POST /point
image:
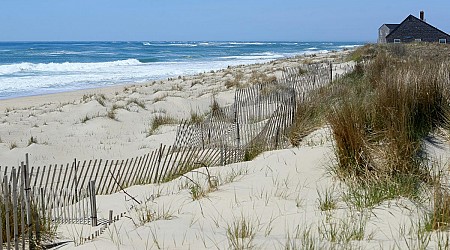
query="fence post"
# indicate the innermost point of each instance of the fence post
(76, 178)
(277, 137)
(110, 217)
(238, 135)
(1, 228)
(201, 132)
(38, 229)
(221, 155)
(6, 200)
(26, 185)
(331, 72)
(22, 213)
(14, 207)
(160, 154)
(93, 204)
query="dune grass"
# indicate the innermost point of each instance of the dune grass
(380, 115)
(47, 229)
(380, 124)
(160, 120)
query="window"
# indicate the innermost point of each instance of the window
(442, 40)
(396, 40)
(417, 40)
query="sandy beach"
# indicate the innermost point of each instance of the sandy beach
(234, 125)
(114, 122)
(276, 201)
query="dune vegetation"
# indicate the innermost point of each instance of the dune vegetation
(382, 117)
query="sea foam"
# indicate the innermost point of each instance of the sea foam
(63, 67)
(30, 68)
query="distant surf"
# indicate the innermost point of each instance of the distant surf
(34, 68)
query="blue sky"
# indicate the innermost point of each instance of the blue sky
(180, 20)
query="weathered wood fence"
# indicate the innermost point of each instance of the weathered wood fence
(261, 114)
(66, 193)
(111, 176)
(20, 223)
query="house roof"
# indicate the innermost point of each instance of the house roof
(392, 26)
(411, 16)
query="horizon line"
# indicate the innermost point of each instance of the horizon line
(305, 41)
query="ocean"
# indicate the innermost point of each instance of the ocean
(35, 68)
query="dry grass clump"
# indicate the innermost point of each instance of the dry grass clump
(433, 51)
(241, 233)
(236, 81)
(439, 218)
(12, 145)
(261, 77)
(101, 98)
(32, 140)
(160, 120)
(47, 228)
(370, 192)
(145, 213)
(139, 103)
(254, 149)
(309, 116)
(232, 83)
(365, 52)
(378, 126)
(380, 115)
(385, 110)
(348, 131)
(196, 118)
(111, 114)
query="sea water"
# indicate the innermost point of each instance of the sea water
(35, 68)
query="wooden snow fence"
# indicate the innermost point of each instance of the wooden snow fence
(66, 193)
(261, 114)
(20, 223)
(27, 213)
(111, 176)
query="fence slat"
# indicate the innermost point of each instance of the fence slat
(59, 177)
(111, 181)
(150, 167)
(121, 174)
(159, 158)
(141, 170)
(164, 166)
(127, 171)
(7, 201)
(36, 176)
(136, 170)
(14, 207)
(104, 177)
(83, 172)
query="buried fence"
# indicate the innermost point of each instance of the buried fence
(261, 114)
(111, 176)
(34, 199)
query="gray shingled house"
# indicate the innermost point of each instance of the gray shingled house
(412, 29)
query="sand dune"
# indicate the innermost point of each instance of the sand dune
(277, 201)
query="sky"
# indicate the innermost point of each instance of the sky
(209, 20)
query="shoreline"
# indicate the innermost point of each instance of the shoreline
(71, 93)
(115, 122)
(73, 66)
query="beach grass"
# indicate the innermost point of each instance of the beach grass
(160, 120)
(380, 115)
(47, 228)
(379, 125)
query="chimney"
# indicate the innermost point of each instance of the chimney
(422, 15)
